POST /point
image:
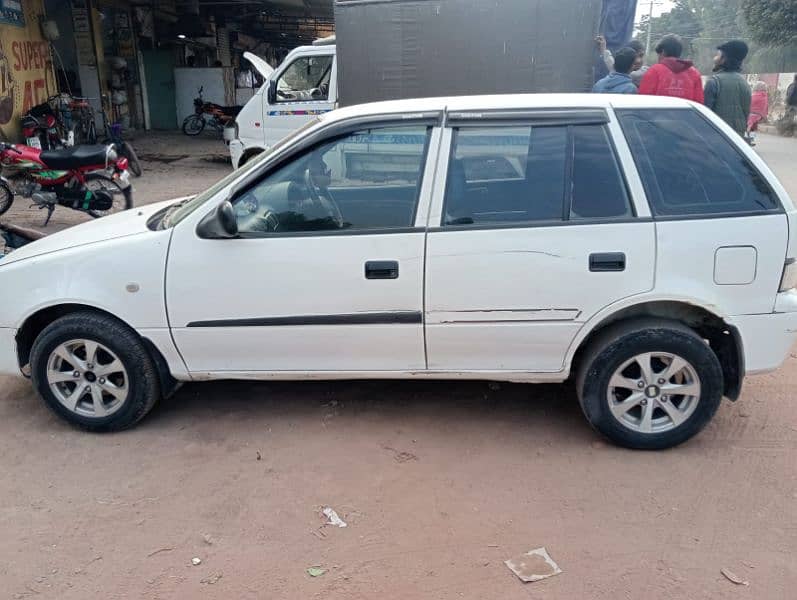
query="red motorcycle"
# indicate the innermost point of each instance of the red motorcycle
(90, 178)
(220, 116)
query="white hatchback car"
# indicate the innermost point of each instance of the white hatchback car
(633, 243)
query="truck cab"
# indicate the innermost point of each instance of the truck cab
(302, 87)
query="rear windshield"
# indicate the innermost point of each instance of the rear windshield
(689, 167)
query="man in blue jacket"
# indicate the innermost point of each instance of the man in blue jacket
(619, 81)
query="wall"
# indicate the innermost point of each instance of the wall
(26, 70)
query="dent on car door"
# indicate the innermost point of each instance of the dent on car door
(537, 234)
(312, 284)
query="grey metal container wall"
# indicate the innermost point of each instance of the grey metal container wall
(389, 49)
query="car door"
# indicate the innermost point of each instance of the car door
(326, 274)
(537, 230)
(303, 88)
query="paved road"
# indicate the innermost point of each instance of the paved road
(439, 483)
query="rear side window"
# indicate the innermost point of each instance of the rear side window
(519, 174)
(690, 168)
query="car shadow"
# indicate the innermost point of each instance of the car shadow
(545, 411)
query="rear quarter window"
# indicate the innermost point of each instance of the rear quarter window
(690, 168)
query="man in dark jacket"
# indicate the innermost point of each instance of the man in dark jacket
(619, 80)
(727, 92)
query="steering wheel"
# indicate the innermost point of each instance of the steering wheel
(326, 203)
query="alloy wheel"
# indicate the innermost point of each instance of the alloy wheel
(653, 392)
(87, 378)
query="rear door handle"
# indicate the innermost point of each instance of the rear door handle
(607, 261)
(382, 269)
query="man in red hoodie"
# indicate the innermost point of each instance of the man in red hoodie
(672, 76)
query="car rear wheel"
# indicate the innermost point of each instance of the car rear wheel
(94, 372)
(649, 384)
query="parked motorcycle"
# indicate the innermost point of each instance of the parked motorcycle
(92, 179)
(219, 115)
(40, 127)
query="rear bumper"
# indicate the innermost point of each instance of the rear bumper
(767, 339)
(9, 364)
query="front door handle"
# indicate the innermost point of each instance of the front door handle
(382, 269)
(607, 261)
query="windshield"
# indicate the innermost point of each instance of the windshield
(181, 210)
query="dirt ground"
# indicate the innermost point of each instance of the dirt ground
(439, 483)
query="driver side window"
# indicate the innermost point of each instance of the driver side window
(306, 79)
(366, 180)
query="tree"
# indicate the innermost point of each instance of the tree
(772, 22)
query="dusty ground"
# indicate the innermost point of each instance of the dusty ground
(439, 483)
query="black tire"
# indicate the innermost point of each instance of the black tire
(6, 197)
(621, 343)
(123, 197)
(247, 157)
(132, 158)
(193, 125)
(142, 376)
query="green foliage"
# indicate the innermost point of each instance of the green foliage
(705, 24)
(772, 22)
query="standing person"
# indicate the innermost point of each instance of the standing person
(727, 92)
(619, 80)
(640, 68)
(672, 75)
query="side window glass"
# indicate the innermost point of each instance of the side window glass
(690, 168)
(307, 78)
(506, 175)
(365, 180)
(599, 190)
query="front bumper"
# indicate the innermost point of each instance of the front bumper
(9, 364)
(767, 339)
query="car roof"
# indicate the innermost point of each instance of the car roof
(506, 102)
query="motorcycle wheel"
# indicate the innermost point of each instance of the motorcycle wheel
(193, 125)
(122, 197)
(132, 158)
(6, 198)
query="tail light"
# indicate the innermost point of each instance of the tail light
(122, 164)
(28, 131)
(788, 280)
(50, 121)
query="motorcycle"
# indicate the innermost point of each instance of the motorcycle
(40, 127)
(90, 178)
(220, 116)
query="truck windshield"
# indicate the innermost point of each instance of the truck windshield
(181, 210)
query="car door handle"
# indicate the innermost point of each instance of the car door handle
(382, 269)
(607, 261)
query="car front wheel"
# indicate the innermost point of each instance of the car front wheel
(650, 384)
(94, 372)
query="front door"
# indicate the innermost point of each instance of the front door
(302, 89)
(537, 233)
(327, 274)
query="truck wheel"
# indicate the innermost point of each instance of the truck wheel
(94, 372)
(649, 384)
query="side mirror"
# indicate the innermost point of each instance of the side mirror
(272, 91)
(219, 224)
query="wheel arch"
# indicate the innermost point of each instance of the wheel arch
(723, 338)
(37, 321)
(249, 153)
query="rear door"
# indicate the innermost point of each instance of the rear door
(535, 232)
